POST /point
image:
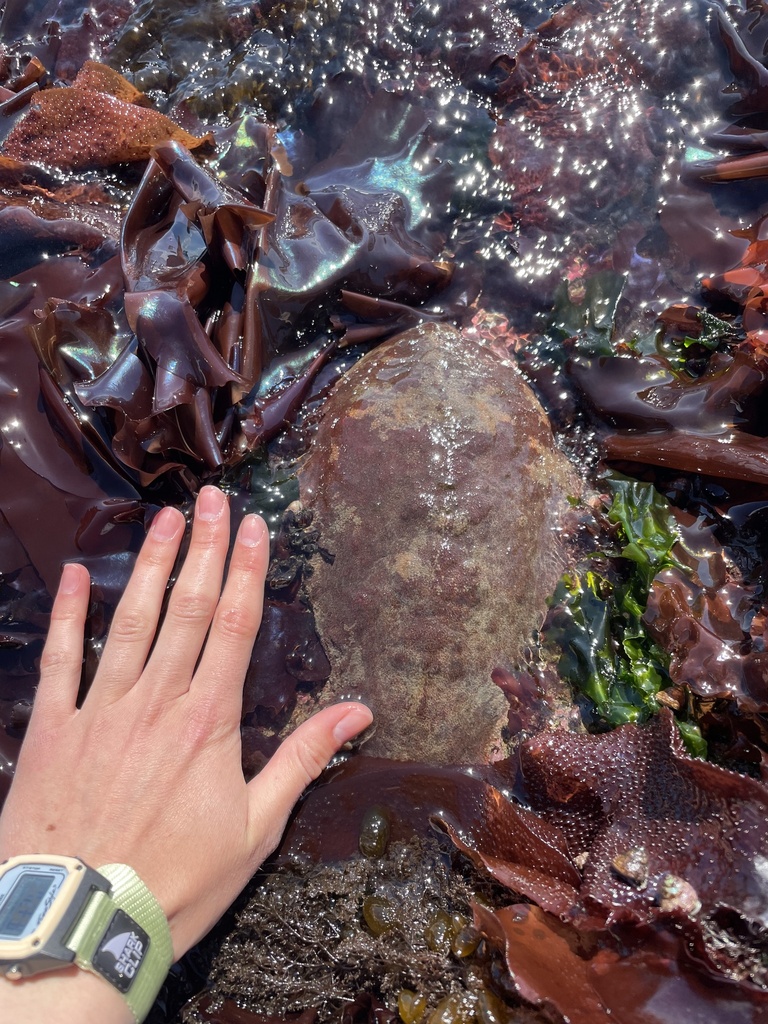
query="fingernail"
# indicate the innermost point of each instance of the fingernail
(358, 717)
(252, 531)
(70, 579)
(166, 525)
(210, 504)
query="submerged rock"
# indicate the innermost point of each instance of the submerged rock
(439, 495)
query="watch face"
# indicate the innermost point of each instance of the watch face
(27, 891)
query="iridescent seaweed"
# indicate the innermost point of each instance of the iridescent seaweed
(219, 286)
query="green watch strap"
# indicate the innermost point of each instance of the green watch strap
(141, 961)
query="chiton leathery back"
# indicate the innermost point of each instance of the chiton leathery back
(440, 499)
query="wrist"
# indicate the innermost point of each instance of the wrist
(68, 996)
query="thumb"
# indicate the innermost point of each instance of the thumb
(298, 761)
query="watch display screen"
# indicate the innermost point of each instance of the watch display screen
(26, 894)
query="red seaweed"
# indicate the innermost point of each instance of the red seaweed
(95, 122)
(628, 943)
(645, 983)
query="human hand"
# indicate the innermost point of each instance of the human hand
(147, 772)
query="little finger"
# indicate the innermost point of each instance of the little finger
(61, 664)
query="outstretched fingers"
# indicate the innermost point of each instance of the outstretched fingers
(61, 663)
(299, 761)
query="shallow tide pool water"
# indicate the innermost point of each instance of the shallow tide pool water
(580, 188)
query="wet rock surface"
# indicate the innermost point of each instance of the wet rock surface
(439, 496)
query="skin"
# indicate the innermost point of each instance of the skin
(147, 772)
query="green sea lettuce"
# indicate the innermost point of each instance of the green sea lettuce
(597, 612)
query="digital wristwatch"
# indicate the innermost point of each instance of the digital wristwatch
(55, 911)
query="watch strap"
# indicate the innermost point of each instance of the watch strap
(124, 937)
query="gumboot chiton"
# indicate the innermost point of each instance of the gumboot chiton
(438, 491)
